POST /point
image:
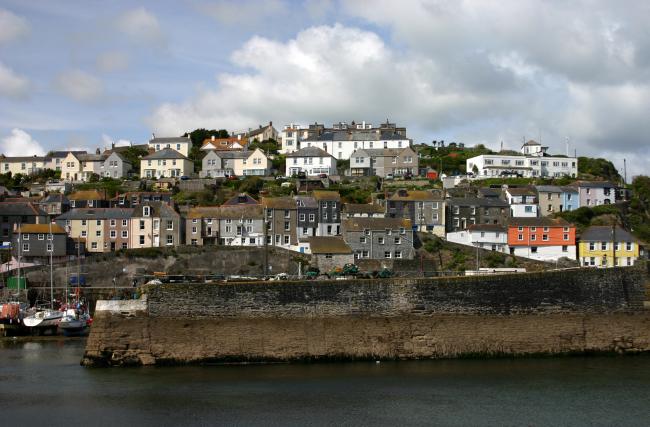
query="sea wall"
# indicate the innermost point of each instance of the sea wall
(572, 311)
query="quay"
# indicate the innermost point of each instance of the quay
(575, 311)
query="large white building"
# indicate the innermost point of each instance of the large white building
(533, 162)
(290, 137)
(181, 144)
(485, 236)
(341, 144)
(312, 161)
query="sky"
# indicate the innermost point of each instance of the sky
(84, 74)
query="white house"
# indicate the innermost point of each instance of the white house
(595, 193)
(534, 162)
(291, 136)
(341, 144)
(312, 161)
(166, 163)
(485, 236)
(180, 144)
(523, 202)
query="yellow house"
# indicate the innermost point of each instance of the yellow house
(166, 163)
(22, 165)
(607, 246)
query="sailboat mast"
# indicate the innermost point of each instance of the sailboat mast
(51, 243)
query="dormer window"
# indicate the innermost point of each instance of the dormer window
(146, 211)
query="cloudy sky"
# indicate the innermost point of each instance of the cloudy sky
(80, 74)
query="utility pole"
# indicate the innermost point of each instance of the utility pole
(266, 248)
(614, 245)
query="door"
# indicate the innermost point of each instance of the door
(156, 241)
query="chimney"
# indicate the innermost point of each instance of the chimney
(213, 137)
(270, 124)
(97, 151)
(153, 135)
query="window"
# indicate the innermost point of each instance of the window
(146, 211)
(328, 256)
(41, 237)
(124, 223)
(25, 247)
(628, 247)
(302, 217)
(565, 248)
(545, 237)
(99, 222)
(287, 226)
(566, 237)
(170, 224)
(286, 239)
(113, 234)
(402, 230)
(142, 240)
(141, 224)
(50, 247)
(398, 254)
(83, 233)
(83, 222)
(387, 254)
(362, 239)
(592, 246)
(533, 249)
(193, 230)
(603, 246)
(380, 240)
(398, 241)
(592, 260)
(533, 237)
(98, 233)
(629, 261)
(125, 234)
(113, 223)
(545, 229)
(50, 237)
(520, 237)
(170, 239)
(93, 245)
(520, 228)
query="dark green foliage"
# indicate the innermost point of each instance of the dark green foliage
(133, 156)
(111, 186)
(279, 163)
(495, 259)
(639, 208)
(270, 146)
(354, 195)
(451, 159)
(342, 166)
(598, 168)
(197, 137)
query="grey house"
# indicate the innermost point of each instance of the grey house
(425, 209)
(329, 213)
(465, 211)
(241, 225)
(219, 164)
(307, 224)
(381, 162)
(379, 238)
(116, 166)
(330, 252)
(281, 214)
(202, 226)
(34, 243)
(13, 214)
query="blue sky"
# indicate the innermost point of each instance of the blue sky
(83, 73)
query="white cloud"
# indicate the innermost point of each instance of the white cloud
(79, 86)
(20, 143)
(12, 85)
(11, 26)
(141, 26)
(243, 12)
(108, 141)
(109, 62)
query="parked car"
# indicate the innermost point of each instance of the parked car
(408, 175)
(184, 178)
(323, 175)
(389, 176)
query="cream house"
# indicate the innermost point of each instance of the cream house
(81, 166)
(22, 165)
(239, 163)
(180, 144)
(166, 163)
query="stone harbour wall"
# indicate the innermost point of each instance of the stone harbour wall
(574, 311)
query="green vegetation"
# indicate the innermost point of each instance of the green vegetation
(269, 146)
(110, 185)
(197, 137)
(450, 160)
(590, 168)
(133, 156)
(638, 214)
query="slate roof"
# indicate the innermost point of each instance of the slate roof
(96, 213)
(357, 135)
(166, 153)
(487, 227)
(23, 159)
(170, 140)
(55, 198)
(594, 184)
(158, 209)
(203, 212)
(233, 154)
(91, 157)
(549, 189)
(328, 245)
(20, 209)
(308, 202)
(531, 143)
(62, 154)
(360, 224)
(604, 234)
(242, 211)
(247, 199)
(521, 191)
(383, 152)
(363, 208)
(539, 222)
(478, 201)
(259, 130)
(310, 152)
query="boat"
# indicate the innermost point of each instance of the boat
(74, 322)
(43, 319)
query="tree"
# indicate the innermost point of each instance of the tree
(435, 245)
(133, 156)
(598, 168)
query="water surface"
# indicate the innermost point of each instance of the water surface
(41, 382)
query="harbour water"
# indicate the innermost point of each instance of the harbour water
(41, 383)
